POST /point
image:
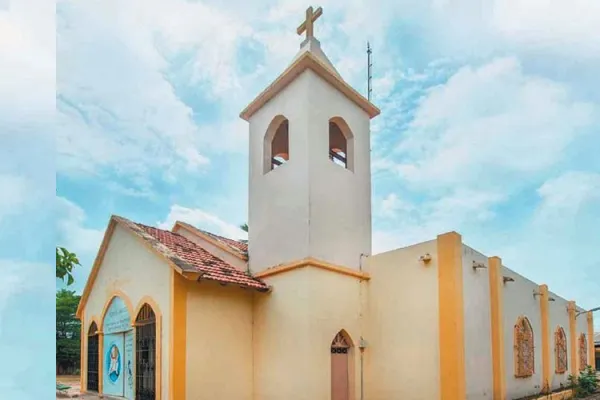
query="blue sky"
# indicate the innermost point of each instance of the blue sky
(489, 126)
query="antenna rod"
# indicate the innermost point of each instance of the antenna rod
(369, 74)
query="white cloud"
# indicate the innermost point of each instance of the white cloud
(27, 45)
(557, 245)
(490, 122)
(117, 105)
(14, 194)
(475, 140)
(19, 276)
(569, 192)
(202, 220)
(391, 205)
(117, 99)
(385, 241)
(72, 232)
(567, 27)
(415, 222)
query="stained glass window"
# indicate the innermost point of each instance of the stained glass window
(582, 352)
(524, 349)
(560, 350)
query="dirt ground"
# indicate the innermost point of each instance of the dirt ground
(75, 391)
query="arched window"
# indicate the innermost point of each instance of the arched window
(560, 351)
(341, 143)
(582, 352)
(145, 353)
(92, 358)
(93, 329)
(277, 144)
(342, 370)
(524, 349)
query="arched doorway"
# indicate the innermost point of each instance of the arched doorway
(340, 367)
(145, 349)
(117, 348)
(92, 358)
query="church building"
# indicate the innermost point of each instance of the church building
(304, 310)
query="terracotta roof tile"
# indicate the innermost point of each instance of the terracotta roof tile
(191, 257)
(235, 245)
(240, 246)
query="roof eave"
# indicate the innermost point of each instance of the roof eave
(199, 276)
(95, 267)
(307, 60)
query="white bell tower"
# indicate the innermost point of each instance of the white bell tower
(310, 164)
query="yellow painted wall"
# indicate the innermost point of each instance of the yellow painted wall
(478, 335)
(219, 342)
(294, 328)
(129, 266)
(402, 325)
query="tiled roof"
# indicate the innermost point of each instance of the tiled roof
(237, 246)
(191, 257)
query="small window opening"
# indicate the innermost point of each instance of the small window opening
(338, 147)
(341, 143)
(277, 144)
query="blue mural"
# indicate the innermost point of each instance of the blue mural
(113, 359)
(117, 318)
(129, 364)
(117, 373)
(113, 364)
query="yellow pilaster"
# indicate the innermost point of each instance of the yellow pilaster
(451, 317)
(177, 369)
(590, 340)
(100, 360)
(573, 338)
(546, 379)
(82, 354)
(496, 304)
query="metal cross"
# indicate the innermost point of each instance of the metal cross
(307, 25)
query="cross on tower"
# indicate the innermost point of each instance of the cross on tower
(307, 25)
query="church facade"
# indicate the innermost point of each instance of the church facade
(304, 310)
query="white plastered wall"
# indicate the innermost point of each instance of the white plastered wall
(518, 301)
(478, 336)
(219, 342)
(309, 206)
(129, 266)
(278, 200)
(340, 199)
(402, 325)
(558, 316)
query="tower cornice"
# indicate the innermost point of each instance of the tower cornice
(308, 61)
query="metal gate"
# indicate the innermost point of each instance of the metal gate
(145, 357)
(92, 359)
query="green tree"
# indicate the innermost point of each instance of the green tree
(244, 227)
(68, 331)
(65, 262)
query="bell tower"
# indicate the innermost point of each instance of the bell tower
(310, 164)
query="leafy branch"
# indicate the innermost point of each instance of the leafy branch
(65, 262)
